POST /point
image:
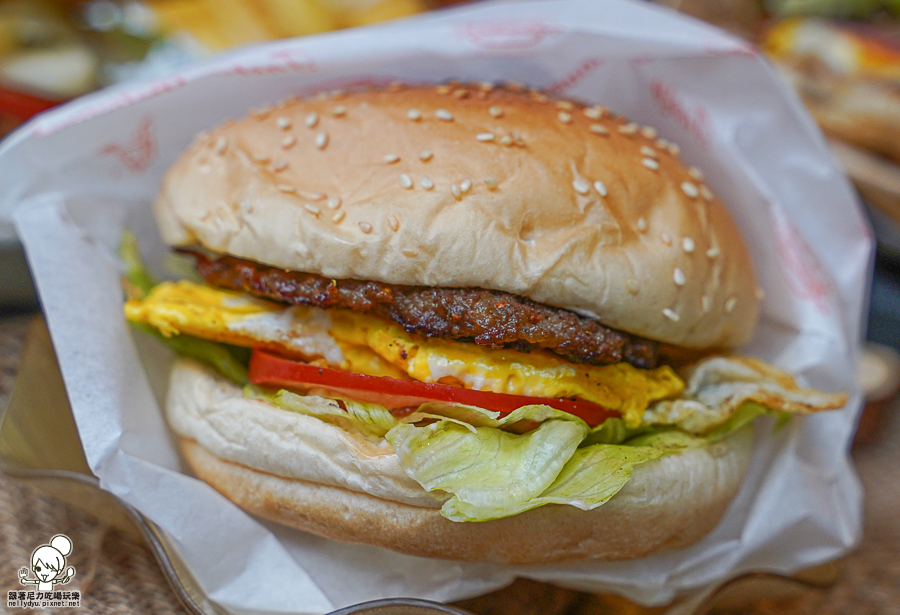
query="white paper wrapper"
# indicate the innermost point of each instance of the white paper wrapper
(73, 178)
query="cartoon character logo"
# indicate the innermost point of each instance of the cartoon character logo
(48, 562)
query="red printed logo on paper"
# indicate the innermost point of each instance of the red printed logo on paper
(576, 76)
(509, 34)
(138, 152)
(695, 119)
(801, 267)
(280, 61)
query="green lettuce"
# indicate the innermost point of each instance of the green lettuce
(490, 472)
(496, 467)
(228, 360)
(367, 419)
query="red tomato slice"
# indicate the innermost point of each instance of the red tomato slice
(271, 370)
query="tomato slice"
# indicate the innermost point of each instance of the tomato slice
(272, 370)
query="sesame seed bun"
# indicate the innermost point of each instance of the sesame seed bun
(271, 463)
(458, 186)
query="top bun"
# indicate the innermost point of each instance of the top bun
(473, 186)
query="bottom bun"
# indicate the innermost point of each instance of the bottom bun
(669, 503)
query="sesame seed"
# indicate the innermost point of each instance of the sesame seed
(465, 185)
(662, 143)
(713, 252)
(671, 315)
(564, 104)
(288, 141)
(221, 144)
(665, 238)
(704, 304)
(515, 86)
(642, 224)
(311, 120)
(689, 189)
(287, 188)
(695, 173)
(581, 186)
(456, 192)
(460, 93)
(260, 157)
(393, 222)
(283, 123)
(673, 149)
(486, 86)
(260, 112)
(687, 244)
(491, 183)
(678, 277)
(599, 129)
(648, 151)
(632, 286)
(594, 113)
(538, 97)
(425, 155)
(406, 181)
(730, 305)
(279, 165)
(485, 136)
(564, 117)
(426, 182)
(409, 253)
(365, 227)
(333, 202)
(443, 114)
(312, 196)
(706, 193)
(650, 163)
(600, 187)
(518, 139)
(392, 158)
(322, 140)
(496, 112)
(339, 111)
(628, 129)
(648, 132)
(506, 140)
(414, 114)
(443, 89)
(312, 209)
(338, 216)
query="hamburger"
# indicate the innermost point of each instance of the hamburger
(461, 321)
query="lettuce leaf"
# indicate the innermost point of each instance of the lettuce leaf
(138, 278)
(367, 419)
(490, 472)
(229, 361)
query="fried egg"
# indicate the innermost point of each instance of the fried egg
(376, 347)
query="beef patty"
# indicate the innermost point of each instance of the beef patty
(488, 318)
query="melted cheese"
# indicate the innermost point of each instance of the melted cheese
(370, 345)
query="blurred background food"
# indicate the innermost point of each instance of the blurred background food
(55, 50)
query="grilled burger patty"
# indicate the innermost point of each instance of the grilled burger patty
(488, 318)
